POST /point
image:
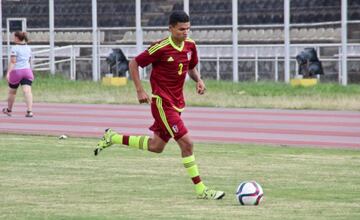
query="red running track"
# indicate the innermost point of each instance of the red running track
(332, 129)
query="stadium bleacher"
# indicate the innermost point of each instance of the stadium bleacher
(224, 36)
(113, 13)
(203, 12)
(259, 23)
(221, 36)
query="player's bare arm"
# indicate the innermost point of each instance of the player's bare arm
(134, 72)
(200, 85)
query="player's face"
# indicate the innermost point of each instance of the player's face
(180, 31)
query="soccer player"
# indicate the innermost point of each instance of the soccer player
(171, 58)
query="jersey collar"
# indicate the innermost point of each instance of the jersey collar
(174, 45)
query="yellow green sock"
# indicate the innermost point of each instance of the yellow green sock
(193, 171)
(137, 142)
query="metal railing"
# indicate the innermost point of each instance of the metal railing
(218, 54)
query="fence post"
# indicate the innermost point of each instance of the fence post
(296, 63)
(217, 67)
(344, 42)
(256, 66)
(276, 69)
(72, 64)
(340, 67)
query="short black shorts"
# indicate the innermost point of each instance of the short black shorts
(22, 82)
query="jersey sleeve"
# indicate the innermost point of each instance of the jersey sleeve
(194, 58)
(145, 58)
(13, 51)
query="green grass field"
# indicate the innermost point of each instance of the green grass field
(219, 93)
(46, 178)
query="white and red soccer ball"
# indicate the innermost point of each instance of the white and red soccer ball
(249, 193)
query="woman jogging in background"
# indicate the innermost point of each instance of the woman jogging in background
(19, 73)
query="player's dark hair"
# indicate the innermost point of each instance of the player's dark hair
(178, 17)
(22, 36)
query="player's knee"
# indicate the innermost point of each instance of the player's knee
(158, 150)
(187, 149)
(26, 89)
(156, 147)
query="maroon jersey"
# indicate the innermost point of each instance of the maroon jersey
(170, 65)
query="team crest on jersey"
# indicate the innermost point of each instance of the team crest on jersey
(189, 55)
(175, 128)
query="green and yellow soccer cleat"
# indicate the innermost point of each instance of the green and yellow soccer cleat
(211, 194)
(105, 141)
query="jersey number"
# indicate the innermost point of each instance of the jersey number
(180, 68)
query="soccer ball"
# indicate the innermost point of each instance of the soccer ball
(249, 193)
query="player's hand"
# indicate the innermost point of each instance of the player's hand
(143, 97)
(200, 87)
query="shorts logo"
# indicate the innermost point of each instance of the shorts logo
(175, 128)
(189, 55)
